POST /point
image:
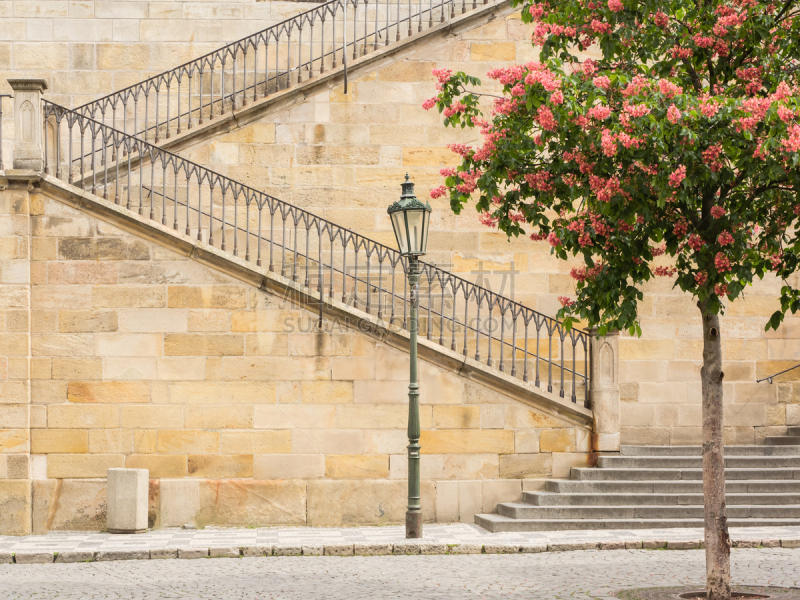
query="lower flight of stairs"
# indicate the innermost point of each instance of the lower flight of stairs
(653, 487)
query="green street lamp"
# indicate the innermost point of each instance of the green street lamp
(410, 220)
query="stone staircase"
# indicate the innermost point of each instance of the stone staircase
(662, 486)
(792, 438)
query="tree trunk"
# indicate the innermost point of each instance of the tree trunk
(717, 542)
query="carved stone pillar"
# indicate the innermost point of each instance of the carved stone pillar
(605, 393)
(28, 128)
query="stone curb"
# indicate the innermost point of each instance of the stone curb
(362, 549)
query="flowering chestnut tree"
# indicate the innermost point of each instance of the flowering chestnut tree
(674, 154)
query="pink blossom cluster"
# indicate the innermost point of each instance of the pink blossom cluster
(553, 239)
(539, 73)
(438, 192)
(601, 113)
(469, 181)
(600, 27)
(539, 181)
(566, 302)
(673, 114)
(708, 106)
(455, 108)
(669, 89)
(711, 157)
(429, 103)
(700, 278)
(661, 19)
(721, 289)
(665, 271)
(461, 149)
(605, 189)
(557, 97)
(635, 110)
(637, 85)
(725, 238)
(792, 142)
(681, 228)
(717, 212)
(722, 263)
(442, 75)
(677, 176)
(602, 82)
(586, 273)
(786, 114)
(544, 117)
(615, 5)
(488, 220)
(508, 75)
(695, 242)
(589, 68)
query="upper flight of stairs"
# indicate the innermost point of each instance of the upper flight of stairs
(792, 438)
(646, 487)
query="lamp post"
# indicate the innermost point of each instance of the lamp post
(410, 219)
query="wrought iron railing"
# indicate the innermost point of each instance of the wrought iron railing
(327, 259)
(258, 65)
(774, 375)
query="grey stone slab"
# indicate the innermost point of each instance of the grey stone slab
(405, 548)
(6, 557)
(371, 549)
(790, 543)
(192, 553)
(647, 545)
(313, 550)
(285, 550)
(612, 545)
(105, 555)
(338, 550)
(75, 556)
(501, 548)
(31, 558)
(465, 548)
(163, 553)
(224, 552)
(532, 548)
(256, 551)
(568, 547)
(689, 545)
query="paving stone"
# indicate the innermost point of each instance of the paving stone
(567, 547)
(746, 543)
(256, 551)
(287, 551)
(683, 545)
(367, 549)
(6, 557)
(338, 549)
(532, 548)
(313, 550)
(501, 548)
(192, 553)
(31, 558)
(432, 548)
(231, 552)
(790, 543)
(161, 553)
(648, 545)
(104, 555)
(75, 556)
(465, 548)
(771, 543)
(612, 545)
(405, 548)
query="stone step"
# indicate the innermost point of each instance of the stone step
(786, 449)
(570, 486)
(783, 441)
(793, 431)
(676, 462)
(500, 523)
(696, 474)
(555, 499)
(521, 510)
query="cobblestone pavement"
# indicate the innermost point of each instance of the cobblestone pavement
(583, 574)
(459, 533)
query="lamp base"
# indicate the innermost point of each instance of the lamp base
(413, 524)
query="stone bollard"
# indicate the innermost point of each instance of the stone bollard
(128, 491)
(605, 393)
(28, 123)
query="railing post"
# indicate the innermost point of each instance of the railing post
(604, 394)
(28, 125)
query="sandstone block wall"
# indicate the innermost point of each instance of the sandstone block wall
(343, 156)
(244, 415)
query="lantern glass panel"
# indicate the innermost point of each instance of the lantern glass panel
(415, 222)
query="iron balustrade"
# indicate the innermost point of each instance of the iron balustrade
(774, 375)
(271, 60)
(325, 258)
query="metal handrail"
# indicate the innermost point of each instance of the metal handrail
(323, 249)
(770, 378)
(278, 54)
